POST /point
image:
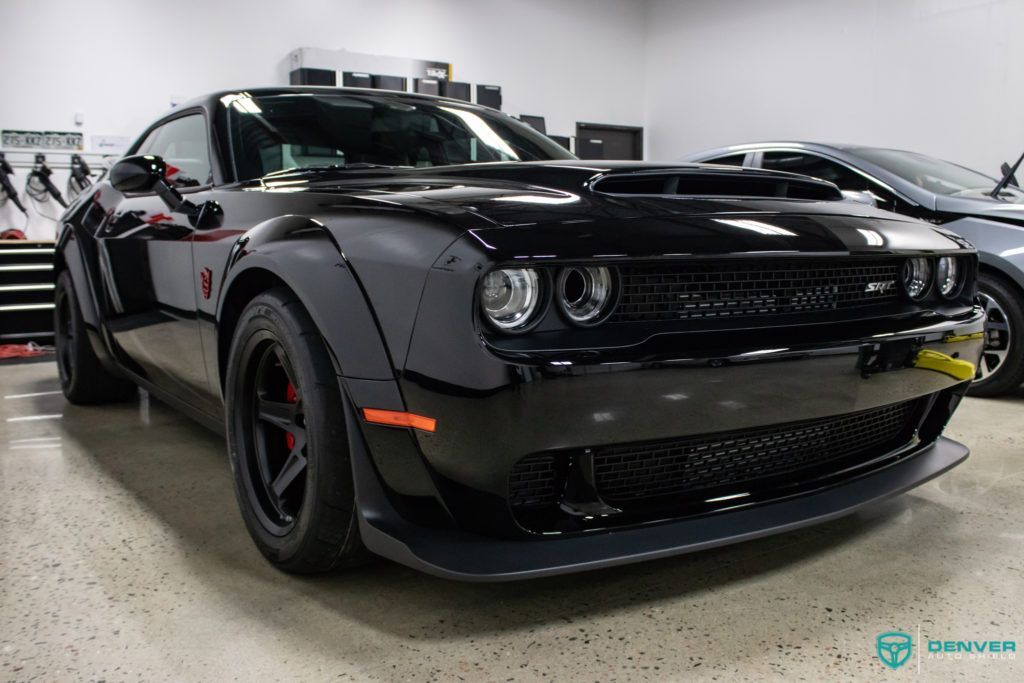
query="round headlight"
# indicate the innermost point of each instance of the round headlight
(947, 276)
(585, 294)
(510, 297)
(917, 276)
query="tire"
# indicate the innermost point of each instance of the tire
(83, 379)
(1001, 368)
(287, 440)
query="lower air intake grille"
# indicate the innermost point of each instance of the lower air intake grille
(735, 460)
(726, 289)
(533, 481)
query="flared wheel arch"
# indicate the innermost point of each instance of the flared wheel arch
(301, 255)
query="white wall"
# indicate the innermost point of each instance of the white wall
(942, 77)
(550, 56)
(938, 76)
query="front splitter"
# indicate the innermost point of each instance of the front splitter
(465, 556)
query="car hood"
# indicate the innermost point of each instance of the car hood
(992, 209)
(582, 210)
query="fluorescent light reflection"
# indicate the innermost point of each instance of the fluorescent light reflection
(760, 227)
(32, 395)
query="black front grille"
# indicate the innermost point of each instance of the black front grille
(734, 460)
(727, 289)
(533, 481)
(764, 461)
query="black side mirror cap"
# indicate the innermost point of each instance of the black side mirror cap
(141, 174)
(138, 173)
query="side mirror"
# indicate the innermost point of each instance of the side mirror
(138, 174)
(148, 174)
(860, 197)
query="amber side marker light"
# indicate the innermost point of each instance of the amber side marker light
(394, 418)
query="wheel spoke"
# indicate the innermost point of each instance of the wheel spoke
(293, 467)
(280, 460)
(278, 413)
(286, 367)
(997, 337)
(262, 461)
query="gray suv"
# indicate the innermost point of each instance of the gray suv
(957, 198)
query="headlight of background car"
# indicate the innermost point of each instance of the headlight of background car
(917, 276)
(948, 276)
(585, 294)
(510, 297)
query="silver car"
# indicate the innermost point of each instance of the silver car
(957, 198)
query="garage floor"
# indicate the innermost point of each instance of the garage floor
(124, 557)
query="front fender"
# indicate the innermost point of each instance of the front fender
(1000, 246)
(73, 252)
(302, 253)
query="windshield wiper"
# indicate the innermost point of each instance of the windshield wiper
(366, 164)
(330, 167)
(1006, 179)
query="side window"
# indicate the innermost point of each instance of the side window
(730, 160)
(817, 167)
(182, 144)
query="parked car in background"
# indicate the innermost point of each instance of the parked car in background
(955, 197)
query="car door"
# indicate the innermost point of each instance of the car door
(148, 272)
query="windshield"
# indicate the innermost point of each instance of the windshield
(934, 175)
(279, 132)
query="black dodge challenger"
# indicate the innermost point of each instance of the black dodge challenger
(432, 334)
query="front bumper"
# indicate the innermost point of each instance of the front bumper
(466, 556)
(495, 407)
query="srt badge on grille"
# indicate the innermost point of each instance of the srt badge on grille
(880, 287)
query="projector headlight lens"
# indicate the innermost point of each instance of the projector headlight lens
(510, 297)
(585, 293)
(917, 276)
(947, 276)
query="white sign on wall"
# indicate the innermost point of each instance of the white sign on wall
(40, 139)
(110, 144)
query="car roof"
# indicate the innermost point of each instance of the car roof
(820, 146)
(212, 100)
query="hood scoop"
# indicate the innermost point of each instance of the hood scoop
(711, 182)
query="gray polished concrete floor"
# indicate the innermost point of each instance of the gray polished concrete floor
(123, 557)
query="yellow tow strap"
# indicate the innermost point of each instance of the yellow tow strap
(939, 362)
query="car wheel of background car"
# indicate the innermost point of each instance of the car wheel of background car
(1001, 368)
(83, 379)
(287, 439)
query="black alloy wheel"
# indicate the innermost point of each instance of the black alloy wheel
(287, 439)
(276, 470)
(83, 378)
(63, 336)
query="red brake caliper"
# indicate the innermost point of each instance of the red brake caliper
(291, 397)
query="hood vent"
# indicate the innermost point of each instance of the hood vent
(710, 184)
